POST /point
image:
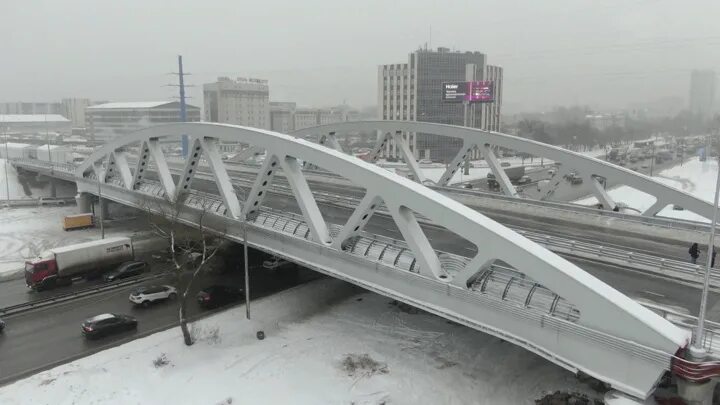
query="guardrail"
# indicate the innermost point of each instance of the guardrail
(57, 299)
(711, 338)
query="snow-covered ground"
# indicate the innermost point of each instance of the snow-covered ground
(8, 177)
(421, 359)
(695, 177)
(26, 232)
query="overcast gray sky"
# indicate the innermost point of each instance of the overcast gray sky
(321, 52)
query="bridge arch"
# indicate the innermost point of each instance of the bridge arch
(607, 320)
(592, 170)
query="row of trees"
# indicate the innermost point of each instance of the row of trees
(578, 132)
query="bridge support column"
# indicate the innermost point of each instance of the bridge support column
(53, 188)
(696, 393)
(84, 202)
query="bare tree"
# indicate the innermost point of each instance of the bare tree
(190, 248)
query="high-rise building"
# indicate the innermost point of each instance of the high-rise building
(112, 120)
(281, 116)
(413, 91)
(702, 92)
(74, 110)
(243, 102)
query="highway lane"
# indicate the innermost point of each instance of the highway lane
(35, 339)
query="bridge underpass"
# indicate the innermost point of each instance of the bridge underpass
(512, 288)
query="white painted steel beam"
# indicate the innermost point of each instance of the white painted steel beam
(305, 199)
(358, 219)
(600, 193)
(227, 192)
(455, 164)
(123, 169)
(191, 166)
(163, 171)
(142, 164)
(500, 176)
(407, 154)
(584, 165)
(262, 183)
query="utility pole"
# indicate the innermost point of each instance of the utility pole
(183, 106)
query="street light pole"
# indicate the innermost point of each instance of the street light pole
(7, 175)
(699, 331)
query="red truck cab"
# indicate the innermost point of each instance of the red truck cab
(40, 269)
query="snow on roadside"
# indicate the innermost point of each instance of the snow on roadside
(694, 177)
(427, 360)
(9, 181)
(27, 232)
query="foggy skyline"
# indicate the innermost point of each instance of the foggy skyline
(320, 53)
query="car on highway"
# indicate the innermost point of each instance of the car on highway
(551, 172)
(127, 269)
(275, 263)
(147, 295)
(524, 180)
(218, 295)
(107, 324)
(505, 164)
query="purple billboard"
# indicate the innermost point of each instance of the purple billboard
(472, 92)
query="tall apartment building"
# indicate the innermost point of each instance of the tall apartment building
(702, 92)
(112, 120)
(413, 91)
(242, 101)
(281, 116)
(74, 110)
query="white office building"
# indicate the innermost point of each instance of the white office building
(111, 120)
(37, 125)
(242, 101)
(281, 116)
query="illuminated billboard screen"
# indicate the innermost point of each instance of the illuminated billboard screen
(480, 92)
(472, 92)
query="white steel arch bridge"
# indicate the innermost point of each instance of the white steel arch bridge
(593, 171)
(509, 286)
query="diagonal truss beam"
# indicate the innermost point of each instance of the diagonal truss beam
(357, 221)
(227, 192)
(404, 145)
(601, 194)
(262, 183)
(476, 265)
(456, 164)
(161, 165)
(188, 173)
(500, 176)
(419, 244)
(330, 140)
(306, 201)
(123, 168)
(380, 142)
(141, 165)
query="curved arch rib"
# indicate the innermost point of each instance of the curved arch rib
(589, 167)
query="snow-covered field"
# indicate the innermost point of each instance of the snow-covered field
(420, 359)
(695, 177)
(27, 232)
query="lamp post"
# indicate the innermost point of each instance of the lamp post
(700, 330)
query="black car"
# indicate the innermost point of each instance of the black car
(218, 295)
(107, 324)
(127, 269)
